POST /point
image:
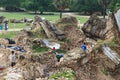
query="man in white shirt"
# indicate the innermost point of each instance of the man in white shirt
(12, 58)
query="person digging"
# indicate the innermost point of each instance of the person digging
(84, 47)
(59, 57)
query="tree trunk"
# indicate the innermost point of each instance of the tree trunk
(104, 11)
(35, 12)
(41, 12)
(60, 14)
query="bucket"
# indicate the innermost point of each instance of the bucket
(1, 27)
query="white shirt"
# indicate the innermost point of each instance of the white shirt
(12, 57)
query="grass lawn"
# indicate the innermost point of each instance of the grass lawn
(68, 75)
(20, 15)
(11, 34)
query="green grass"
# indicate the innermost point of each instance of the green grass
(113, 43)
(8, 34)
(82, 19)
(37, 49)
(69, 75)
(17, 25)
(20, 15)
(61, 51)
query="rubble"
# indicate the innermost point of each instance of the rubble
(115, 21)
(4, 42)
(28, 20)
(16, 21)
(75, 36)
(66, 22)
(95, 27)
(23, 40)
(14, 74)
(117, 15)
(51, 44)
(50, 29)
(92, 65)
(111, 54)
(23, 20)
(3, 19)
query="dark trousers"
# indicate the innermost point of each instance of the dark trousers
(13, 64)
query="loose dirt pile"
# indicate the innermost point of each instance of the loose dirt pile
(67, 21)
(74, 36)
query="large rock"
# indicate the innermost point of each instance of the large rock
(51, 31)
(23, 39)
(75, 55)
(95, 27)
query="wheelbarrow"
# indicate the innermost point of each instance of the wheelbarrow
(1, 68)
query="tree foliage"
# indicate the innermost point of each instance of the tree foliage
(86, 6)
(104, 4)
(39, 5)
(82, 6)
(114, 5)
(10, 3)
(61, 5)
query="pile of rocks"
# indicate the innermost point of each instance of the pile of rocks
(49, 28)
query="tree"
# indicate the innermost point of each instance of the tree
(86, 6)
(62, 5)
(10, 4)
(104, 4)
(114, 5)
(31, 5)
(39, 5)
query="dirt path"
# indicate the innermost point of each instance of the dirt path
(75, 14)
(15, 29)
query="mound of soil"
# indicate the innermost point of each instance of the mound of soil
(67, 21)
(75, 36)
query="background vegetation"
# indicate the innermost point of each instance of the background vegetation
(41, 6)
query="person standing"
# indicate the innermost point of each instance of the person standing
(6, 25)
(12, 58)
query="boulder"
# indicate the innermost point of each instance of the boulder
(50, 30)
(95, 27)
(75, 55)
